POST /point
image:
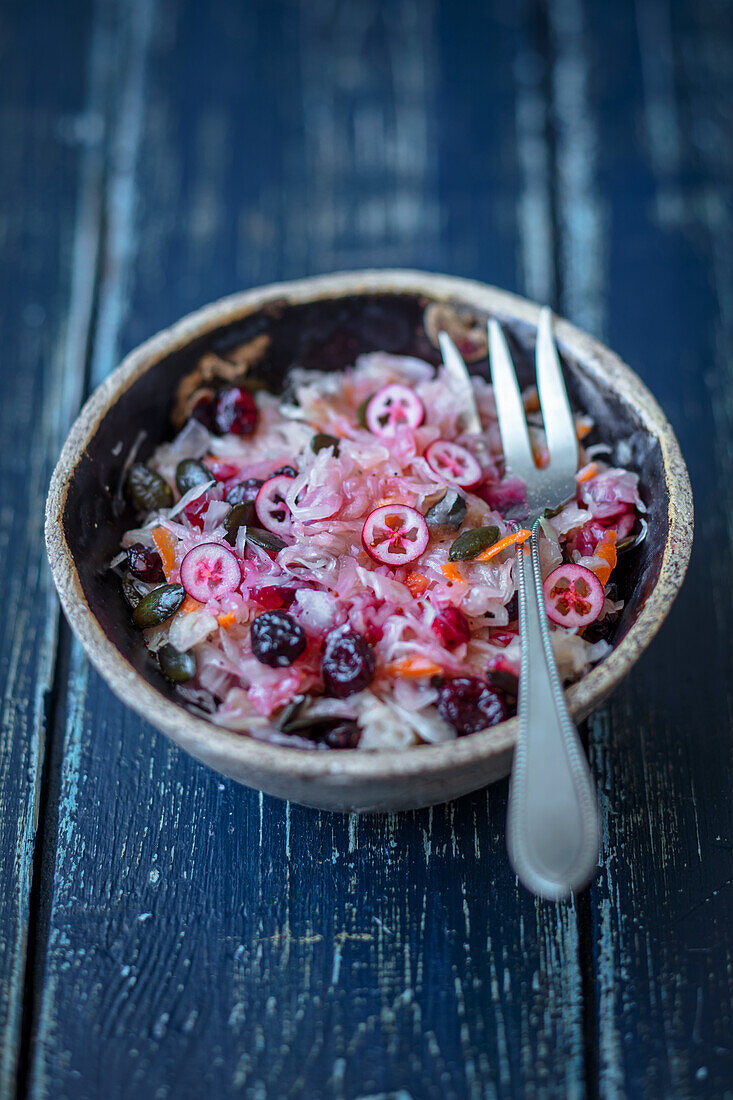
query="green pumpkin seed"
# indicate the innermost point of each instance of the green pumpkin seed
(190, 473)
(241, 515)
(361, 411)
(158, 605)
(473, 542)
(447, 512)
(265, 539)
(147, 490)
(321, 440)
(174, 664)
(290, 714)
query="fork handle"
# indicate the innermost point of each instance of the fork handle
(552, 823)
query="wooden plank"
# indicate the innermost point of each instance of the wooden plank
(647, 194)
(209, 938)
(46, 144)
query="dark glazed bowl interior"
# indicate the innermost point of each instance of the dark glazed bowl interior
(324, 334)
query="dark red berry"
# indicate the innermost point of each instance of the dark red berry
(244, 491)
(469, 705)
(195, 512)
(145, 564)
(344, 736)
(236, 412)
(277, 640)
(348, 663)
(272, 598)
(451, 627)
(286, 471)
(205, 412)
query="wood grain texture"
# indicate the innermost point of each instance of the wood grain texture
(43, 137)
(657, 176)
(208, 938)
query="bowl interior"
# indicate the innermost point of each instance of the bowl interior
(324, 334)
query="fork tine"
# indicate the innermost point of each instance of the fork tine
(456, 368)
(562, 442)
(509, 406)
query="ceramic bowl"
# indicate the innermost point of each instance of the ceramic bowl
(324, 323)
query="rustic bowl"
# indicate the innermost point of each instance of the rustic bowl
(324, 322)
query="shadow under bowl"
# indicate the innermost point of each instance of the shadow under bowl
(324, 323)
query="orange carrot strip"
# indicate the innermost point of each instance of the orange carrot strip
(587, 472)
(227, 619)
(165, 544)
(503, 544)
(413, 668)
(417, 584)
(606, 550)
(451, 571)
(582, 428)
(189, 604)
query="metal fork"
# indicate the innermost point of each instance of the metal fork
(552, 821)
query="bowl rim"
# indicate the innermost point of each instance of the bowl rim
(217, 745)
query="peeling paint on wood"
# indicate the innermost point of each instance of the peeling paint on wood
(203, 937)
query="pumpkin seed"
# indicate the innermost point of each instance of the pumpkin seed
(449, 511)
(265, 539)
(240, 515)
(190, 473)
(471, 543)
(321, 440)
(361, 411)
(174, 664)
(147, 490)
(158, 605)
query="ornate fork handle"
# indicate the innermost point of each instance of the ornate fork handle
(553, 818)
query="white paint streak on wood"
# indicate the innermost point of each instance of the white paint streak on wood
(368, 197)
(580, 215)
(120, 243)
(534, 213)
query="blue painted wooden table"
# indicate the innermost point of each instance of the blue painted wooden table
(167, 934)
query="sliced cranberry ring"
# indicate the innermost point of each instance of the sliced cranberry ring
(393, 406)
(573, 596)
(210, 571)
(270, 506)
(454, 463)
(395, 534)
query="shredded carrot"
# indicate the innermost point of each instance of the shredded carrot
(413, 668)
(165, 544)
(606, 550)
(582, 428)
(227, 619)
(450, 571)
(541, 457)
(417, 584)
(587, 472)
(189, 604)
(503, 544)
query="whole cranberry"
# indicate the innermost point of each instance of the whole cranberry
(205, 412)
(236, 412)
(348, 663)
(145, 564)
(470, 705)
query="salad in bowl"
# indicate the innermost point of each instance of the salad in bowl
(332, 567)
